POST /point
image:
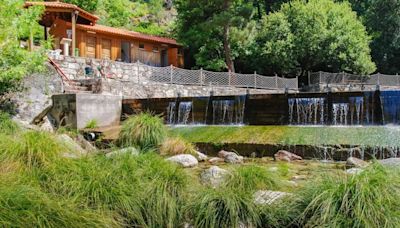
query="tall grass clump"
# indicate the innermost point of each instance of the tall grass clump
(162, 193)
(177, 145)
(223, 207)
(368, 199)
(250, 178)
(7, 125)
(143, 131)
(31, 148)
(28, 206)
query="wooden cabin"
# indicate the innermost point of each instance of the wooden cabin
(67, 22)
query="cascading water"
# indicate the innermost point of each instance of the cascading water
(304, 111)
(171, 112)
(340, 111)
(390, 102)
(228, 111)
(184, 111)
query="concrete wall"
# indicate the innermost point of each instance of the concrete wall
(76, 110)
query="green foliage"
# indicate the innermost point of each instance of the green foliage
(177, 145)
(223, 207)
(143, 131)
(33, 149)
(91, 124)
(368, 199)
(88, 5)
(250, 178)
(382, 19)
(15, 62)
(317, 35)
(7, 126)
(27, 206)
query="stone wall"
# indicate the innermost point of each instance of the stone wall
(133, 80)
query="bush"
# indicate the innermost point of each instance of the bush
(174, 146)
(251, 178)
(91, 124)
(143, 131)
(32, 148)
(223, 207)
(368, 199)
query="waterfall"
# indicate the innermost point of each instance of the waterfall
(340, 111)
(228, 111)
(184, 111)
(390, 102)
(306, 111)
(171, 113)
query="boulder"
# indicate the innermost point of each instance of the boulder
(185, 160)
(268, 197)
(71, 144)
(354, 171)
(283, 155)
(201, 156)
(128, 150)
(390, 162)
(85, 144)
(355, 162)
(46, 125)
(230, 157)
(214, 176)
(215, 160)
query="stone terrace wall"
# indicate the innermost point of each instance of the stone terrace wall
(133, 80)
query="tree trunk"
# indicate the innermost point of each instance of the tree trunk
(227, 46)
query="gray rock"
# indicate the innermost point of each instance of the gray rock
(299, 177)
(185, 160)
(283, 155)
(215, 160)
(71, 144)
(390, 162)
(268, 197)
(128, 150)
(354, 171)
(85, 144)
(230, 157)
(355, 162)
(201, 156)
(214, 176)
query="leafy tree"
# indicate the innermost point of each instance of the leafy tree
(317, 35)
(206, 27)
(382, 19)
(15, 61)
(88, 5)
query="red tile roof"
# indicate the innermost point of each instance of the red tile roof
(62, 5)
(123, 32)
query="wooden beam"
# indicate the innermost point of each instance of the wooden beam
(73, 21)
(31, 41)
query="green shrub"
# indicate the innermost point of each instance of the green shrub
(91, 124)
(368, 199)
(143, 131)
(222, 207)
(174, 146)
(27, 206)
(32, 149)
(8, 126)
(250, 178)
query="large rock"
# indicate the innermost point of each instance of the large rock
(390, 162)
(283, 155)
(215, 160)
(354, 171)
(214, 176)
(128, 150)
(355, 162)
(268, 197)
(201, 157)
(71, 145)
(230, 157)
(185, 160)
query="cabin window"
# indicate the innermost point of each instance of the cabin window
(141, 46)
(180, 51)
(155, 49)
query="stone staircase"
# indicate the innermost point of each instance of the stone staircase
(82, 86)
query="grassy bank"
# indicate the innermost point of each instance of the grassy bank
(291, 135)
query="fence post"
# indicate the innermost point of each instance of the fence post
(171, 74)
(201, 76)
(276, 81)
(309, 79)
(343, 74)
(379, 79)
(297, 80)
(320, 77)
(229, 77)
(255, 79)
